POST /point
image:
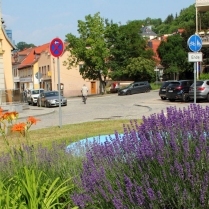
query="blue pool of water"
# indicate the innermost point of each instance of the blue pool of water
(80, 147)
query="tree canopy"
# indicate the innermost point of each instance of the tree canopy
(125, 42)
(23, 45)
(173, 54)
(90, 49)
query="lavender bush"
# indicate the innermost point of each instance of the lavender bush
(162, 163)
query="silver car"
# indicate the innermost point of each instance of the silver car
(51, 99)
(202, 90)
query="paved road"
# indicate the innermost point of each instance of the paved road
(102, 108)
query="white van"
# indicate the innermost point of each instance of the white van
(32, 96)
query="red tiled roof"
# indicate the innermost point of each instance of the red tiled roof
(31, 58)
(181, 30)
(39, 49)
(155, 45)
(25, 51)
(23, 54)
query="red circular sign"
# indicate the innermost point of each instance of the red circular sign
(56, 47)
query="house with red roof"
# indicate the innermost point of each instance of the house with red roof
(38, 60)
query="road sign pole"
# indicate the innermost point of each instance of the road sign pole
(39, 86)
(195, 69)
(195, 44)
(60, 109)
(56, 49)
(156, 78)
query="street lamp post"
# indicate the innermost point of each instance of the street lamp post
(160, 68)
(156, 70)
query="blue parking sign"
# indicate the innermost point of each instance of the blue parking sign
(194, 43)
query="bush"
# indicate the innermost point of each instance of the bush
(204, 76)
(162, 163)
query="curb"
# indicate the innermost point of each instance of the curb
(30, 112)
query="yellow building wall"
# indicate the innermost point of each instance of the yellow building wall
(35, 80)
(7, 62)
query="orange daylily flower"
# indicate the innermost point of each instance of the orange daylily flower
(1, 110)
(10, 116)
(19, 127)
(32, 120)
(5, 116)
(13, 115)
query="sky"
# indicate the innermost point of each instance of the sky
(40, 21)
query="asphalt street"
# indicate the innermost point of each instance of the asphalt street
(97, 108)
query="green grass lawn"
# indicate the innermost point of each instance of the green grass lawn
(69, 133)
(155, 86)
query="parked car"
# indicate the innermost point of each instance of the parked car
(32, 95)
(202, 90)
(135, 87)
(178, 90)
(51, 99)
(162, 90)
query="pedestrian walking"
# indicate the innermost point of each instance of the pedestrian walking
(84, 91)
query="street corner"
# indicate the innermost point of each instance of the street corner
(35, 111)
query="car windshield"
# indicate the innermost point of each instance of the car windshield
(52, 93)
(174, 84)
(165, 84)
(128, 86)
(198, 83)
(37, 91)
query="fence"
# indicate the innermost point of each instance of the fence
(11, 96)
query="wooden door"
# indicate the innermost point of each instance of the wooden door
(93, 87)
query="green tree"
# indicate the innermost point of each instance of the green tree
(90, 48)
(23, 45)
(169, 19)
(141, 69)
(173, 55)
(125, 42)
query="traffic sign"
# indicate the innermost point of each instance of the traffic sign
(56, 47)
(38, 75)
(195, 56)
(194, 43)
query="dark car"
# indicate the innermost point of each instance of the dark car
(178, 90)
(51, 99)
(135, 87)
(202, 90)
(162, 90)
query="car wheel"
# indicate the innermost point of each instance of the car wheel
(171, 100)
(148, 90)
(163, 98)
(129, 93)
(185, 97)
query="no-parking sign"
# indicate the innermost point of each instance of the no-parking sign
(56, 47)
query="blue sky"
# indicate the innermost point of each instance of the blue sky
(39, 21)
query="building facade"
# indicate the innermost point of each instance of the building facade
(6, 77)
(35, 68)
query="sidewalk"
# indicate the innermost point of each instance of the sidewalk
(24, 110)
(35, 111)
